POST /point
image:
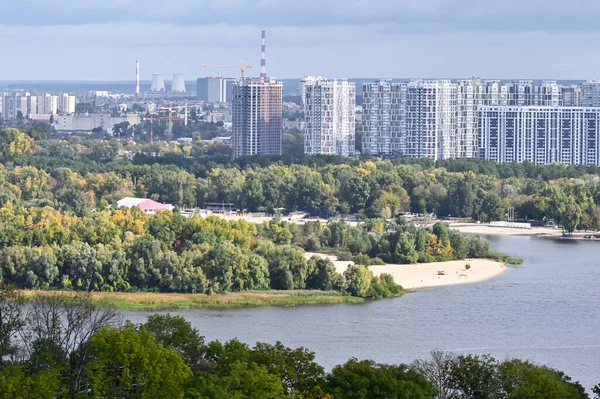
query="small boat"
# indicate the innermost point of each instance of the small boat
(441, 273)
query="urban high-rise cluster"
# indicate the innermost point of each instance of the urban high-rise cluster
(35, 106)
(329, 115)
(501, 121)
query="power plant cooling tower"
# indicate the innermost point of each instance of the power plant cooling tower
(158, 83)
(178, 84)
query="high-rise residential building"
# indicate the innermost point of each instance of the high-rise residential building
(10, 105)
(47, 104)
(329, 115)
(32, 105)
(382, 105)
(215, 90)
(570, 96)
(590, 93)
(430, 119)
(257, 117)
(66, 104)
(540, 134)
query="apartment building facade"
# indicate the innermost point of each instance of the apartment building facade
(329, 116)
(257, 123)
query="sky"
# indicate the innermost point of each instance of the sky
(100, 40)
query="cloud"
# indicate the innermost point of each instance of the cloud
(88, 39)
(404, 15)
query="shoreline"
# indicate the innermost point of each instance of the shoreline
(541, 232)
(425, 275)
(236, 300)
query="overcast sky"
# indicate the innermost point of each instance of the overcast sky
(100, 40)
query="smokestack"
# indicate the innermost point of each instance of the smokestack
(178, 84)
(263, 59)
(185, 119)
(137, 79)
(158, 82)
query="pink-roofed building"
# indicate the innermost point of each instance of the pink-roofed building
(147, 205)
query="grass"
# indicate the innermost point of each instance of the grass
(158, 301)
(504, 258)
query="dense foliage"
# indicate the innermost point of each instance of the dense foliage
(128, 250)
(72, 352)
(78, 175)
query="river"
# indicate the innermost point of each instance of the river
(545, 310)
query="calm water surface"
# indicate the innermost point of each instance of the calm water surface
(545, 311)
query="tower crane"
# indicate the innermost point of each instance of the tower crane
(243, 66)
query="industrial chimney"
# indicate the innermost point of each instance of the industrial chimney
(178, 84)
(158, 83)
(137, 79)
(263, 58)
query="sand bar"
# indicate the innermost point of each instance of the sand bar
(425, 275)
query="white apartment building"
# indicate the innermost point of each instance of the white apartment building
(10, 105)
(257, 117)
(86, 123)
(215, 90)
(329, 115)
(66, 104)
(590, 93)
(540, 134)
(382, 108)
(430, 120)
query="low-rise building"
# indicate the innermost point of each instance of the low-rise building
(147, 205)
(89, 122)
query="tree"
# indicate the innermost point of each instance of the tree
(405, 251)
(476, 377)
(571, 215)
(177, 333)
(358, 280)
(13, 142)
(492, 207)
(11, 320)
(241, 381)
(369, 380)
(596, 390)
(129, 363)
(438, 370)
(521, 379)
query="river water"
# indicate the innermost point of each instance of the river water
(546, 310)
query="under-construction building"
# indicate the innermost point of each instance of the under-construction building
(257, 117)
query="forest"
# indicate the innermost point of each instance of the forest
(69, 347)
(78, 176)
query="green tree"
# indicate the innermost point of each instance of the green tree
(521, 379)
(177, 333)
(369, 380)
(129, 363)
(476, 377)
(241, 381)
(406, 251)
(358, 280)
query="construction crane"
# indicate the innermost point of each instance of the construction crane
(243, 66)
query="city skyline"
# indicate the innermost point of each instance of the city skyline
(89, 41)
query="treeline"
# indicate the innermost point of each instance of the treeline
(127, 250)
(56, 176)
(69, 347)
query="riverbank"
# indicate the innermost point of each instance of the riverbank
(426, 275)
(162, 301)
(486, 229)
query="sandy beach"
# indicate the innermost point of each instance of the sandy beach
(425, 275)
(485, 229)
